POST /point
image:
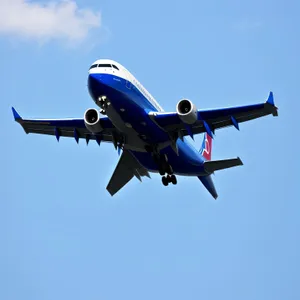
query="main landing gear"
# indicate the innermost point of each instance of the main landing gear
(169, 179)
(165, 168)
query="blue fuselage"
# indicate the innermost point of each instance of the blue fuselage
(133, 108)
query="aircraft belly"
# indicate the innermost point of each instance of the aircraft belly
(128, 111)
(184, 164)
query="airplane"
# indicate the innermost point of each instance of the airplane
(150, 139)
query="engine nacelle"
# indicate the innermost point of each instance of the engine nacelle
(92, 120)
(187, 111)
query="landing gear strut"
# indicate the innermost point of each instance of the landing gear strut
(165, 168)
(163, 165)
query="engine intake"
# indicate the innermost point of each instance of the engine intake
(187, 111)
(92, 120)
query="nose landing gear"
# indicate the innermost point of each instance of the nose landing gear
(103, 103)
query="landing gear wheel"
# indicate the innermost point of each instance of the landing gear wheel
(165, 181)
(173, 179)
(103, 112)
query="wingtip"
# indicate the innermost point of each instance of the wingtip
(108, 188)
(271, 99)
(271, 105)
(240, 162)
(16, 115)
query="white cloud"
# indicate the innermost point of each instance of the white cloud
(51, 20)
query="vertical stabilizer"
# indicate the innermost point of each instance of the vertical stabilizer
(206, 147)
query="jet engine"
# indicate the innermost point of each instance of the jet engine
(92, 120)
(187, 111)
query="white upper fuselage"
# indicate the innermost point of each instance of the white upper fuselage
(108, 66)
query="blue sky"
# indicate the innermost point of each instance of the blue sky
(63, 236)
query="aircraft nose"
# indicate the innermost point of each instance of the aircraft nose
(94, 79)
(98, 85)
(94, 83)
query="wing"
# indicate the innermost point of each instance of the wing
(212, 119)
(127, 167)
(68, 128)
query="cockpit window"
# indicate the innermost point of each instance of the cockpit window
(104, 66)
(93, 66)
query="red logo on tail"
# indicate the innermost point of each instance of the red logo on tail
(207, 147)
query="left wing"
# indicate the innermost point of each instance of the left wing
(211, 119)
(68, 128)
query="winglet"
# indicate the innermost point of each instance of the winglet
(16, 115)
(271, 104)
(271, 99)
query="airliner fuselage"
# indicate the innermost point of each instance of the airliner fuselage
(150, 139)
(130, 110)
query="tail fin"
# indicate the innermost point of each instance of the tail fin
(206, 147)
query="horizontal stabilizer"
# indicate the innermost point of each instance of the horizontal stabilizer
(127, 167)
(209, 184)
(216, 165)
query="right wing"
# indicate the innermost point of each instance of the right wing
(127, 167)
(68, 128)
(209, 120)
